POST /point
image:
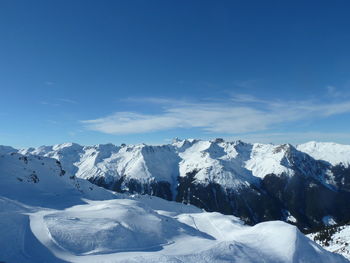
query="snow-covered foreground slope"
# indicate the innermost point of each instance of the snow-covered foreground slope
(38, 180)
(46, 216)
(127, 230)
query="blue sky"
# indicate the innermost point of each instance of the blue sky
(148, 71)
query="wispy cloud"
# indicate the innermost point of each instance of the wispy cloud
(155, 100)
(59, 102)
(65, 100)
(239, 114)
(245, 84)
(49, 103)
(334, 92)
(49, 83)
(52, 122)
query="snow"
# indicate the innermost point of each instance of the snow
(330, 152)
(328, 221)
(140, 162)
(215, 162)
(339, 243)
(98, 229)
(40, 180)
(267, 159)
(289, 217)
(7, 149)
(52, 217)
(126, 230)
(230, 164)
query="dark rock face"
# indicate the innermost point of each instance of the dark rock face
(308, 200)
(160, 189)
(250, 204)
(342, 176)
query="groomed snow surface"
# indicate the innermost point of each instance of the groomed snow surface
(46, 216)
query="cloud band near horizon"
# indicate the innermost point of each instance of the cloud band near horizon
(236, 115)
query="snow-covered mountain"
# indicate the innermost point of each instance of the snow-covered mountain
(333, 153)
(257, 182)
(48, 215)
(334, 238)
(35, 180)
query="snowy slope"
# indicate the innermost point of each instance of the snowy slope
(46, 216)
(333, 153)
(7, 149)
(40, 180)
(140, 162)
(137, 233)
(339, 241)
(217, 161)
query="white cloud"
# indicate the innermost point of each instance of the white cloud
(240, 114)
(49, 83)
(333, 92)
(155, 100)
(67, 100)
(58, 102)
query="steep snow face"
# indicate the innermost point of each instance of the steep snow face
(235, 164)
(145, 163)
(140, 162)
(268, 159)
(31, 173)
(283, 159)
(66, 153)
(217, 162)
(332, 153)
(41, 180)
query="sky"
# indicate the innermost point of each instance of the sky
(148, 71)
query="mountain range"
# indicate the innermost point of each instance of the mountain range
(307, 185)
